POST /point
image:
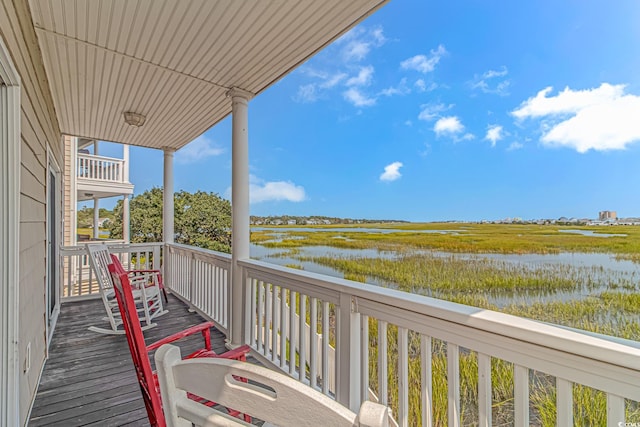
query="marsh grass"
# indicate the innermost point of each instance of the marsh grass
(466, 238)
(614, 311)
(433, 275)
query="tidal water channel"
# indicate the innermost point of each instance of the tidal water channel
(597, 271)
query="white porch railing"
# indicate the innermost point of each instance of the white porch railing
(78, 279)
(100, 168)
(201, 278)
(434, 362)
(413, 351)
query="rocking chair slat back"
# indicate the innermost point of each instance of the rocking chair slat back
(137, 347)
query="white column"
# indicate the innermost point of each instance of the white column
(96, 203)
(96, 217)
(73, 202)
(126, 221)
(167, 198)
(240, 208)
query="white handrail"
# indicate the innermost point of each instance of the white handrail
(200, 277)
(78, 280)
(330, 346)
(534, 348)
(100, 168)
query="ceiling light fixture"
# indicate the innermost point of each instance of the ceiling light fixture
(134, 119)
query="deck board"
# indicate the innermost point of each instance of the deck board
(89, 378)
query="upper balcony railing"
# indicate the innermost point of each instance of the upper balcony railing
(100, 168)
(433, 362)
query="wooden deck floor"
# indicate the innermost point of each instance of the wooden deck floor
(89, 378)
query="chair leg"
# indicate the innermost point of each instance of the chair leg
(166, 298)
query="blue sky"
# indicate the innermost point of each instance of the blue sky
(440, 110)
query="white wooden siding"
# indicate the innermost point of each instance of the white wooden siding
(39, 128)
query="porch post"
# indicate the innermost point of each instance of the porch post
(126, 222)
(96, 218)
(167, 197)
(96, 203)
(240, 208)
(125, 201)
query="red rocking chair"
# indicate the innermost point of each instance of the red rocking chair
(147, 379)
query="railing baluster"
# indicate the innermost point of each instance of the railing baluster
(260, 325)
(426, 387)
(275, 327)
(268, 302)
(252, 311)
(564, 402)
(302, 346)
(207, 289)
(383, 379)
(521, 395)
(484, 390)
(283, 327)
(364, 357)
(453, 384)
(292, 332)
(325, 347)
(403, 377)
(313, 342)
(615, 410)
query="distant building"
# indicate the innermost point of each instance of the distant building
(607, 215)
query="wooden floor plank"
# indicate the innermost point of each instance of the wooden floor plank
(89, 378)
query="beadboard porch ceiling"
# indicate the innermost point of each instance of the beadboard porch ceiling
(174, 60)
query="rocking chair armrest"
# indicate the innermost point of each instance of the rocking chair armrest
(239, 353)
(203, 327)
(145, 271)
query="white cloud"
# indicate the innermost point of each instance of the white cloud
(494, 134)
(357, 98)
(307, 93)
(391, 172)
(363, 78)
(400, 89)
(568, 101)
(429, 112)
(603, 118)
(358, 42)
(490, 82)
(495, 73)
(265, 191)
(198, 149)
(514, 146)
(333, 80)
(424, 63)
(448, 126)
(420, 85)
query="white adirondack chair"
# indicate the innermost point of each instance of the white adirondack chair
(147, 292)
(291, 403)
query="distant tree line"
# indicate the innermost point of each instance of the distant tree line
(314, 220)
(201, 219)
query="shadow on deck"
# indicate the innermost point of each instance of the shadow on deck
(89, 378)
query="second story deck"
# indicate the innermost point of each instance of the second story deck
(100, 176)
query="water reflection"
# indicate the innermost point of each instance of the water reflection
(597, 271)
